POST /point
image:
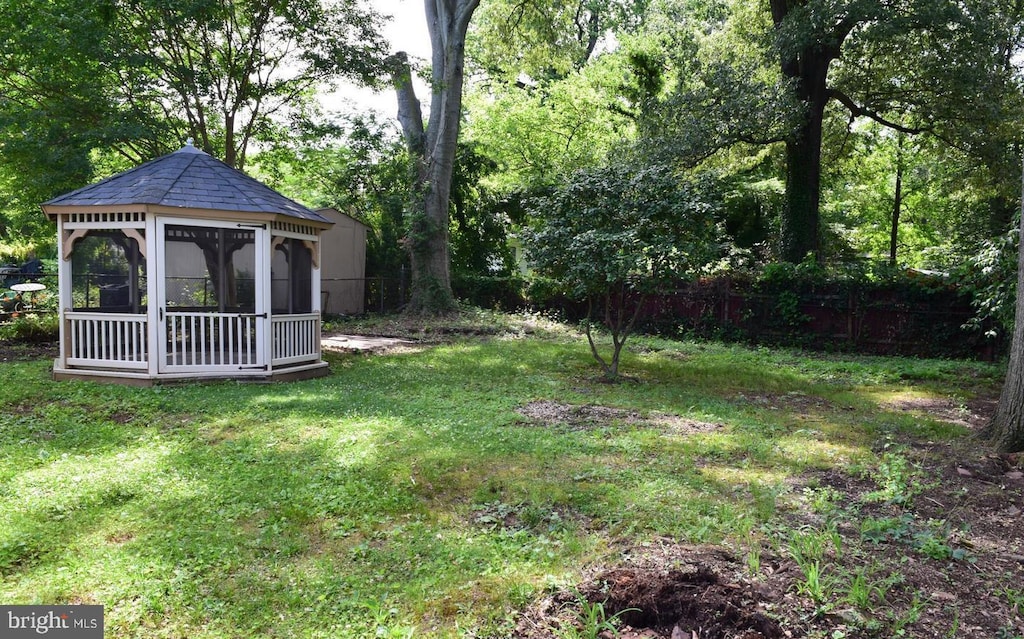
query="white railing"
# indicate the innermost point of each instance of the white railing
(195, 340)
(211, 340)
(296, 338)
(106, 340)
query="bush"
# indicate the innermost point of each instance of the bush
(490, 291)
(32, 327)
(991, 278)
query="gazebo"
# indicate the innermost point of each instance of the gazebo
(185, 268)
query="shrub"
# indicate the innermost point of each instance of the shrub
(32, 327)
(490, 291)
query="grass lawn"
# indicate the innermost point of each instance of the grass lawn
(446, 491)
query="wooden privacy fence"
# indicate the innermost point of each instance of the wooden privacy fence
(916, 320)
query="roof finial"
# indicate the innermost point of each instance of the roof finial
(188, 142)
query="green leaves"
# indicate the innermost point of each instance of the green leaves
(622, 226)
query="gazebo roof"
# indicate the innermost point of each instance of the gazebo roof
(187, 178)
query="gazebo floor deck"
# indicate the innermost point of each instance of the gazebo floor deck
(142, 378)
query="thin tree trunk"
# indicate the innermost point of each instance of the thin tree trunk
(590, 339)
(1006, 430)
(897, 203)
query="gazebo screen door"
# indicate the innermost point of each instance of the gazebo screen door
(212, 312)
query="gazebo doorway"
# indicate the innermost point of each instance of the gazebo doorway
(211, 309)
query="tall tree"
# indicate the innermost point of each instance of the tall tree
(55, 103)
(357, 165)
(542, 133)
(912, 67)
(432, 148)
(536, 41)
(117, 82)
(1006, 430)
(139, 76)
(806, 72)
(222, 72)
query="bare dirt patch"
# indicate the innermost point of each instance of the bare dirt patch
(14, 351)
(943, 556)
(665, 591)
(787, 401)
(974, 413)
(550, 414)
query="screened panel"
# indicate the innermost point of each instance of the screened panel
(291, 288)
(108, 274)
(210, 269)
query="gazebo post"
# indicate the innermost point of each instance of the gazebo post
(64, 301)
(262, 285)
(154, 253)
(316, 284)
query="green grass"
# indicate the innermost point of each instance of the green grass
(403, 494)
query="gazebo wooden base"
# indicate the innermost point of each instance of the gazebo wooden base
(135, 378)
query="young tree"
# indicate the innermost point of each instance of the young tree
(432, 148)
(612, 236)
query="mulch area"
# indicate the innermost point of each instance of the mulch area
(11, 351)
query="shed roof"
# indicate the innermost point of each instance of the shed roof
(187, 178)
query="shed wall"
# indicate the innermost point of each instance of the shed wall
(342, 264)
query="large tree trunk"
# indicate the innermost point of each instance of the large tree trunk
(1006, 430)
(807, 68)
(433, 152)
(800, 222)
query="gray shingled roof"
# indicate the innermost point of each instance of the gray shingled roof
(187, 178)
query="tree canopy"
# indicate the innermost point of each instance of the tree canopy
(92, 87)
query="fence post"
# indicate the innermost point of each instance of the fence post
(725, 304)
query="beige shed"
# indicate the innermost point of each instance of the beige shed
(342, 264)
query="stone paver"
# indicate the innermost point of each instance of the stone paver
(341, 342)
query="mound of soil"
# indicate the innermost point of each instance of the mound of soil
(942, 557)
(702, 596)
(686, 603)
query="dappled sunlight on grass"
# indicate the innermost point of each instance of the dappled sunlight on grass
(817, 453)
(409, 490)
(742, 478)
